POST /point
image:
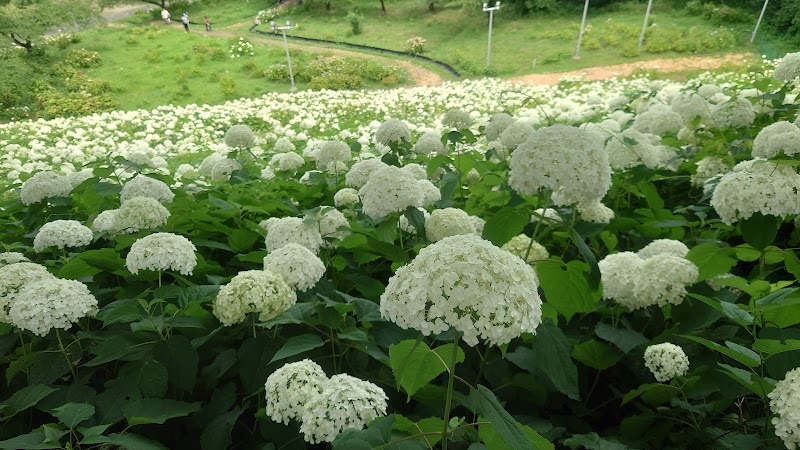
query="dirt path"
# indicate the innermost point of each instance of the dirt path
(622, 70)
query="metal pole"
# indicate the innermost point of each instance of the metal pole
(489, 45)
(288, 58)
(644, 25)
(583, 27)
(753, 37)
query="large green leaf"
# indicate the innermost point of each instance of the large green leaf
(596, 354)
(625, 339)
(484, 403)
(505, 224)
(756, 384)
(414, 364)
(130, 441)
(592, 441)
(741, 354)
(297, 345)
(759, 230)
(217, 434)
(24, 399)
(712, 259)
(567, 288)
(494, 441)
(181, 360)
(72, 414)
(157, 410)
(549, 357)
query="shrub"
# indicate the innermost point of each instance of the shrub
(80, 58)
(416, 45)
(336, 81)
(355, 23)
(227, 84)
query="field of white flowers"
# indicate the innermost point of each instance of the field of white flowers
(476, 265)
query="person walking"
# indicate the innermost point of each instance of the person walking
(165, 16)
(185, 21)
(207, 23)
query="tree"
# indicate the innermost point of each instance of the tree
(24, 21)
(106, 3)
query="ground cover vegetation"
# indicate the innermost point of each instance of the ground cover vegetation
(472, 265)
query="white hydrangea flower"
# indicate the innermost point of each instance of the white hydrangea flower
(497, 124)
(389, 190)
(330, 151)
(162, 251)
(709, 90)
(292, 387)
(208, 163)
(779, 137)
(287, 230)
(329, 225)
(187, 171)
(345, 403)
(105, 222)
(346, 197)
(549, 215)
(666, 361)
(708, 168)
(62, 234)
(76, 178)
(416, 170)
(631, 148)
(49, 303)
(595, 212)
(284, 145)
(392, 131)
(658, 119)
(240, 136)
(789, 67)
(44, 185)
(662, 280)
(448, 222)
(361, 171)
(138, 213)
(7, 258)
(144, 186)
(784, 402)
(253, 291)
(603, 130)
(755, 186)
(466, 283)
(690, 106)
(224, 168)
(300, 268)
(737, 112)
(664, 246)
(564, 159)
(13, 277)
(430, 193)
(457, 119)
(516, 133)
(430, 143)
(618, 271)
(479, 224)
(287, 161)
(520, 245)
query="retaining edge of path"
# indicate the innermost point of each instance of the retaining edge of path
(441, 64)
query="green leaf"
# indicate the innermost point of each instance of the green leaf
(153, 379)
(217, 434)
(567, 290)
(27, 441)
(774, 347)
(181, 360)
(592, 441)
(749, 359)
(414, 364)
(416, 218)
(484, 403)
(730, 310)
(757, 385)
(298, 313)
(549, 356)
(759, 230)
(652, 393)
(109, 350)
(297, 345)
(25, 398)
(134, 442)
(157, 410)
(490, 437)
(73, 414)
(241, 240)
(596, 354)
(505, 224)
(626, 340)
(711, 259)
(106, 259)
(427, 425)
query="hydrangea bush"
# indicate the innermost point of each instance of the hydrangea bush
(472, 265)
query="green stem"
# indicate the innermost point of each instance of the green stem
(449, 399)
(64, 352)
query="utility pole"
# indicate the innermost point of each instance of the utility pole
(583, 27)
(491, 20)
(758, 24)
(283, 29)
(644, 25)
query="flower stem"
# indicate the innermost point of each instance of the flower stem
(449, 398)
(64, 352)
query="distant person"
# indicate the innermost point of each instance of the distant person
(207, 23)
(185, 21)
(165, 16)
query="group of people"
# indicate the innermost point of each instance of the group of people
(165, 15)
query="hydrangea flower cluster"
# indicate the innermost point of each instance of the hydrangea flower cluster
(332, 151)
(242, 47)
(287, 161)
(329, 226)
(666, 361)
(757, 186)
(784, 402)
(144, 186)
(632, 148)
(44, 185)
(658, 119)
(287, 230)
(658, 275)
(361, 171)
(105, 222)
(516, 133)
(708, 168)
(61, 234)
(162, 251)
(521, 245)
(346, 197)
(392, 131)
(789, 67)
(497, 124)
(300, 268)
(466, 283)
(779, 137)
(224, 168)
(13, 277)
(253, 291)
(595, 212)
(567, 160)
(240, 136)
(429, 143)
(138, 213)
(690, 105)
(290, 388)
(389, 190)
(736, 112)
(7, 258)
(447, 222)
(49, 303)
(457, 119)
